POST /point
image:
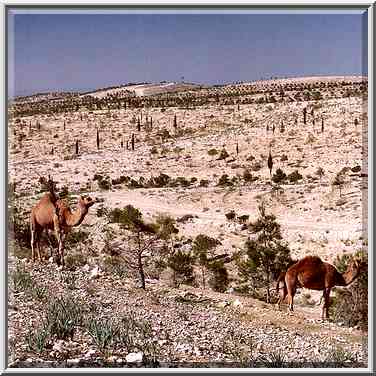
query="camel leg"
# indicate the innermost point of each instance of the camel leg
(38, 245)
(291, 289)
(325, 307)
(50, 243)
(33, 243)
(61, 249)
(282, 296)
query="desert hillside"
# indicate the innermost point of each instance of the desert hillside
(198, 156)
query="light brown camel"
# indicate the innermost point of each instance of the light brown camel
(312, 273)
(51, 213)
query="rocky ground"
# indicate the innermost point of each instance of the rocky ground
(192, 324)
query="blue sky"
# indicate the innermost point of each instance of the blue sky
(82, 51)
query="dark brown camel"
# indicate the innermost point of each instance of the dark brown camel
(312, 273)
(51, 213)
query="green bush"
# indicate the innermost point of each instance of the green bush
(224, 181)
(21, 279)
(160, 181)
(350, 304)
(279, 176)
(230, 215)
(248, 177)
(18, 227)
(294, 176)
(223, 154)
(204, 183)
(75, 260)
(115, 265)
(105, 183)
(212, 152)
(219, 278)
(182, 265)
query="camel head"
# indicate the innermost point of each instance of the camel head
(356, 265)
(86, 202)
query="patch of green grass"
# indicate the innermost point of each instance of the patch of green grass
(21, 279)
(103, 332)
(63, 315)
(37, 340)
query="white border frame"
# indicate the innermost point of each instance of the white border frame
(144, 3)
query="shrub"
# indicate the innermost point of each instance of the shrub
(224, 181)
(182, 265)
(294, 176)
(219, 279)
(350, 305)
(104, 183)
(182, 181)
(204, 183)
(122, 179)
(154, 150)
(256, 166)
(76, 237)
(279, 176)
(126, 216)
(160, 181)
(21, 279)
(74, 261)
(230, 215)
(18, 227)
(248, 177)
(356, 168)
(223, 154)
(115, 265)
(212, 152)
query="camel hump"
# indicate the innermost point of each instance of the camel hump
(308, 262)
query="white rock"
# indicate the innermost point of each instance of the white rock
(58, 346)
(134, 357)
(90, 353)
(237, 303)
(112, 358)
(73, 361)
(223, 304)
(86, 268)
(95, 273)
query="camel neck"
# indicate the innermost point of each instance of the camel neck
(347, 277)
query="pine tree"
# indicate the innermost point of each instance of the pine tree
(175, 122)
(237, 149)
(305, 115)
(98, 139)
(132, 141)
(138, 125)
(76, 147)
(270, 163)
(266, 253)
(322, 125)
